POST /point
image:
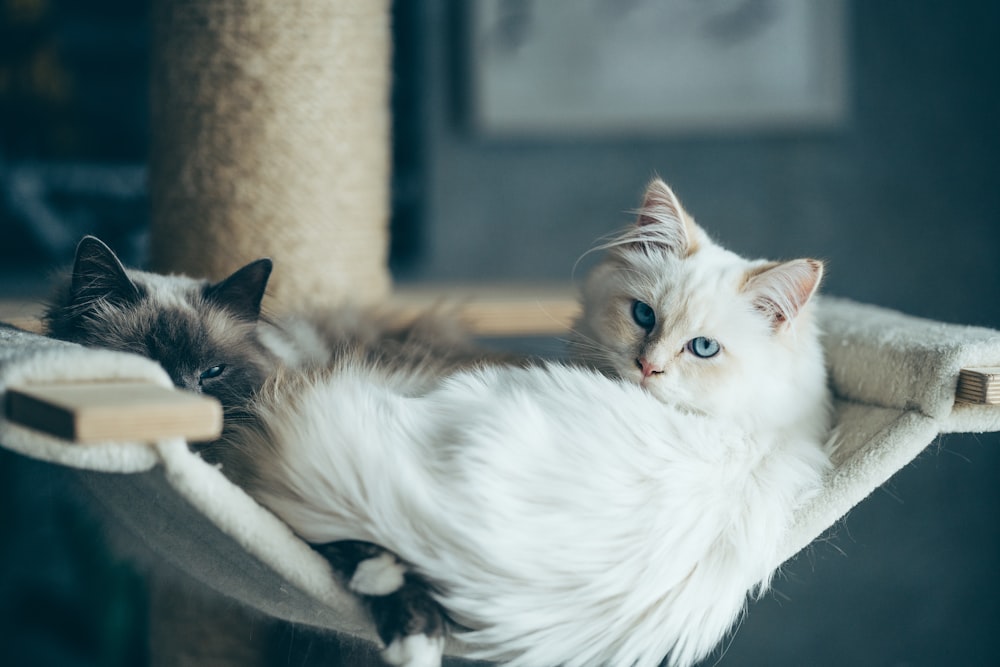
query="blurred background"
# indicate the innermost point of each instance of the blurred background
(864, 133)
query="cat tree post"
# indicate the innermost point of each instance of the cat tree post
(270, 137)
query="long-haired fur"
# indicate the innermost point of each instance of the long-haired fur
(564, 516)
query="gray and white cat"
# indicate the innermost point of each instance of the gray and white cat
(212, 338)
(207, 336)
(560, 515)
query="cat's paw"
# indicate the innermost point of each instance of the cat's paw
(380, 575)
(414, 651)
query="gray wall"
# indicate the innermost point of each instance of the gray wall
(902, 200)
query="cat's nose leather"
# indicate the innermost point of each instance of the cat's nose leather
(647, 368)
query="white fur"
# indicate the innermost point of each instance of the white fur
(566, 517)
(414, 651)
(380, 575)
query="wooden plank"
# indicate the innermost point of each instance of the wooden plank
(121, 410)
(499, 310)
(22, 313)
(979, 385)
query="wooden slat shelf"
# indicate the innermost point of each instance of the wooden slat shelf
(500, 310)
(21, 313)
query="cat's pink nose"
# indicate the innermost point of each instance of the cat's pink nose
(647, 368)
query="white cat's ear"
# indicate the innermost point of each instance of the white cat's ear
(663, 223)
(99, 274)
(242, 292)
(780, 290)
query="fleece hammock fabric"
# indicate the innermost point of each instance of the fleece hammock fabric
(893, 376)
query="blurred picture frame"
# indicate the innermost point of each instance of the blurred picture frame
(653, 67)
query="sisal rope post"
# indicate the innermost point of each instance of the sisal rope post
(270, 137)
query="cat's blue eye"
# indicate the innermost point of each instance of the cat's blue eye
(703, 348)
(644, 315)
(213, 372)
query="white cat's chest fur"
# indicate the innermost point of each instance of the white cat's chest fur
(561, 513)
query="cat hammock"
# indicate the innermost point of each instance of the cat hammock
(895, 379)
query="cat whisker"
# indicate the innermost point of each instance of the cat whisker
(594, 353)
(580, 340)
(603, 243)
(588, 348)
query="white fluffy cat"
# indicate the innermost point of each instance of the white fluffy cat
(701, 327)
(561, 516)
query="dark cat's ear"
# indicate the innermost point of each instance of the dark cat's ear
(779, 290)
(99, 274)
(242, 292)
(663, 223)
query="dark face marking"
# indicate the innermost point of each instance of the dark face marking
(229, 364)
(210, 347)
